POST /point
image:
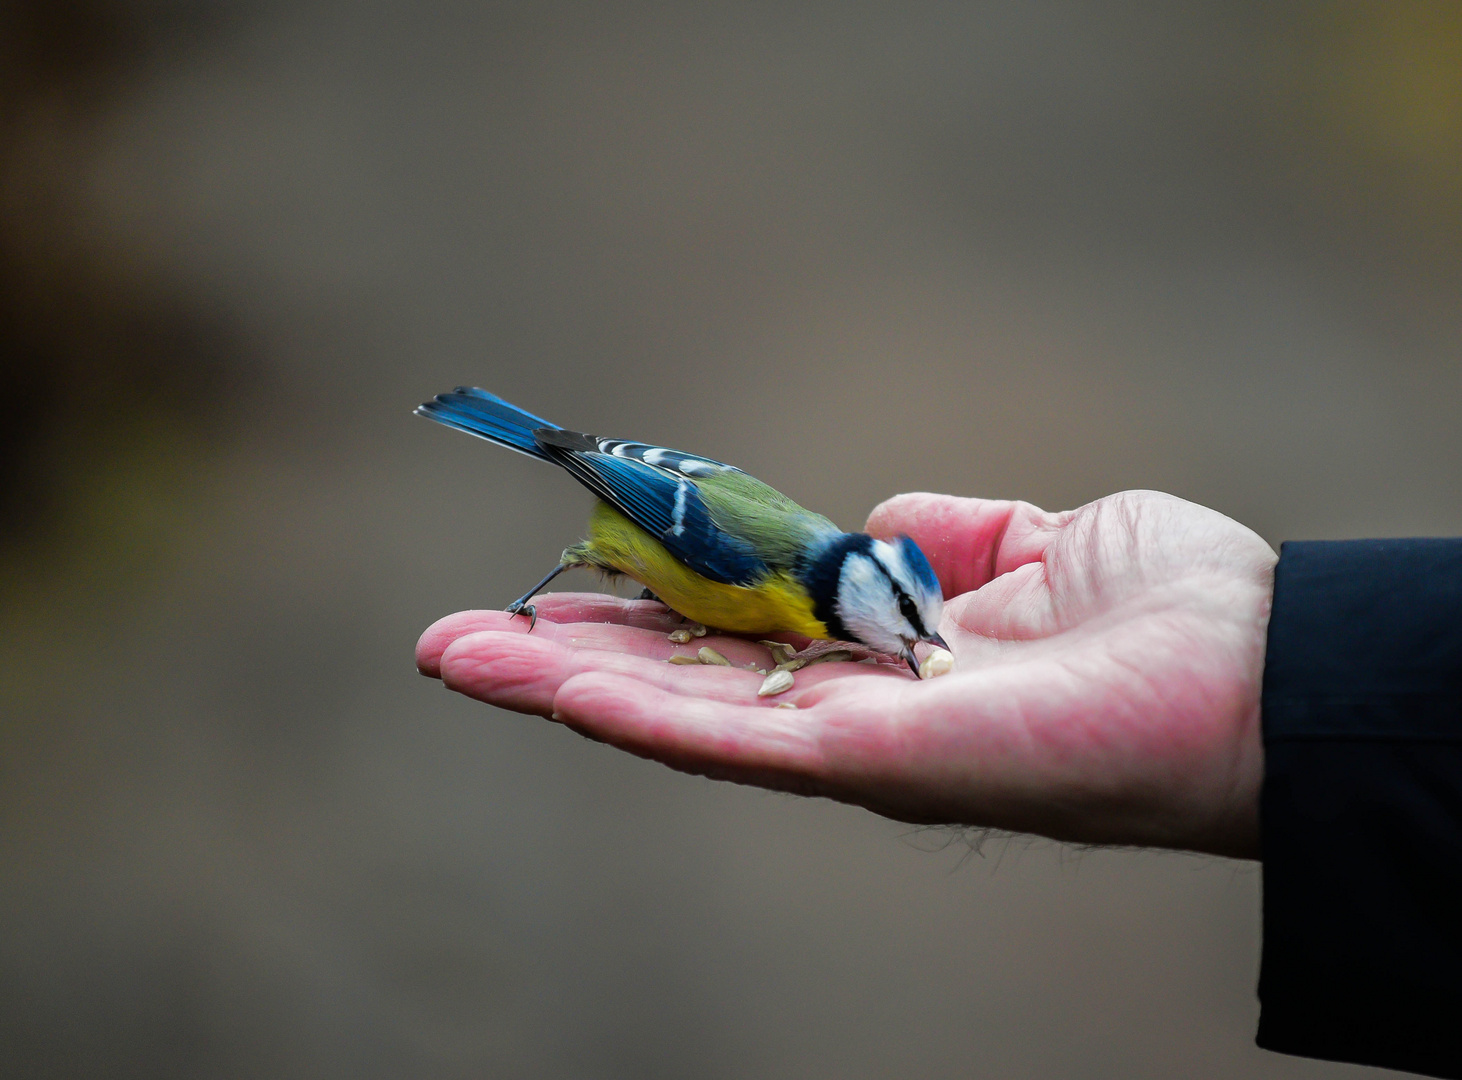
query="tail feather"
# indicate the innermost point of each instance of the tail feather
(488, 417)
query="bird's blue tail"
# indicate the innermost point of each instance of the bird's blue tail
(487, 416)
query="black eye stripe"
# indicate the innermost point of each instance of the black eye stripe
(907, 608)
(910, 612)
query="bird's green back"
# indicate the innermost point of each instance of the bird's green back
(777, 528)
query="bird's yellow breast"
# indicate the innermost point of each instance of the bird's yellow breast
(774, 603)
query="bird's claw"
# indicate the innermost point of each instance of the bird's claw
(525, 609)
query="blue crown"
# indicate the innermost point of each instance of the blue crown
(918, 565)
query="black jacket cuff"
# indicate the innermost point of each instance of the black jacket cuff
(1361, 813)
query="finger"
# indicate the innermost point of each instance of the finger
(838, 743)
(634, 641)
(552, 607)
(609, 637)
(604, 608)
(599, 622)
(898, 748)
(718, 738)
(968, 541)
(523, 672)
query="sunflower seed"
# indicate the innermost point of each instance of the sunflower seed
(938, 662)
(781, 651)
(680, 637)
(709, 655)
(681, 658)
(777, 682)
(697, 630)
(797, 663)
(785, 705)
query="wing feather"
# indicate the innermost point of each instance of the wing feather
(656, 489)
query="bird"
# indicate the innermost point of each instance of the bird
(715, 544)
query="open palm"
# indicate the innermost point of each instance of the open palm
(1106, 688)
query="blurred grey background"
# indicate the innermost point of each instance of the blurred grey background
(1033, 250)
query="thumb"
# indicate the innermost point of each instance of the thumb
(968, 541)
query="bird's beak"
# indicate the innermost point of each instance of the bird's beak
(908, 650)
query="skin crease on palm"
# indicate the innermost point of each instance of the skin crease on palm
(1106, 687)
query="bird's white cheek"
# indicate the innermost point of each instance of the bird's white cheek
(866, 606)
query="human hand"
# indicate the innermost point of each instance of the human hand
(1106, 688)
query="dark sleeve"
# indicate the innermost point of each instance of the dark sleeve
(1362, 805)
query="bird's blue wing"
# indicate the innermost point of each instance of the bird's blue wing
(659, 497)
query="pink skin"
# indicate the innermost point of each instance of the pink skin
(1106, 688)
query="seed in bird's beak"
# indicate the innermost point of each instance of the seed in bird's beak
(778, 682)
(938, 662)
(708, 655)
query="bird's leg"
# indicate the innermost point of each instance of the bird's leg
(521, 606)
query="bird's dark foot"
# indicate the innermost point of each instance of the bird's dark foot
(520, 608)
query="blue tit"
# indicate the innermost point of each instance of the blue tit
(715, 544)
